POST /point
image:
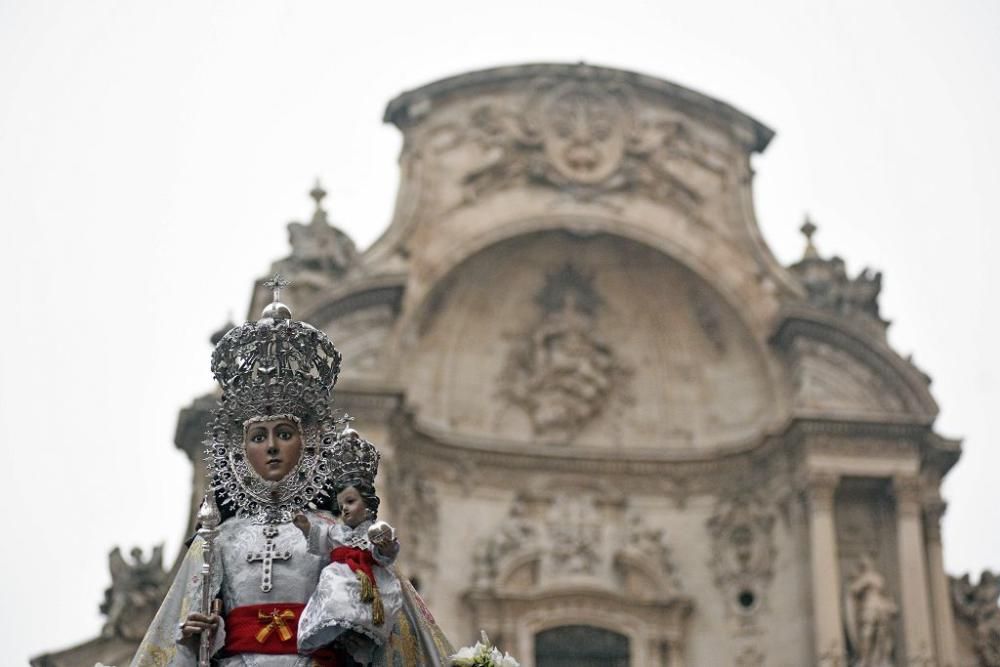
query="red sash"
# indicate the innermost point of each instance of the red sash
(271, 629)
(264, 628)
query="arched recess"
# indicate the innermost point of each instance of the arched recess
(661, 359)
(839, 369)
(581, 646)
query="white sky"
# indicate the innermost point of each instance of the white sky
(152, 152)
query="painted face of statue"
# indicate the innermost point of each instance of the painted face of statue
(353, 509)
(273, 448)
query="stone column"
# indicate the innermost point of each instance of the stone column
(944, 619)
(914, 598)
(828, 633)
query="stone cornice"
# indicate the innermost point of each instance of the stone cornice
(672, 473)
(408, 107)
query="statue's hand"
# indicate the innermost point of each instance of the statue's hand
(302, 523)
(198, 623)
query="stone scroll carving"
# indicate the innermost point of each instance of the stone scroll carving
(743, 554)
(560, 370)
(870, 617)
(976, 604)
(137, 588)
(587, 139)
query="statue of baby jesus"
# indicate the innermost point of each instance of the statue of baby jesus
(358, 596)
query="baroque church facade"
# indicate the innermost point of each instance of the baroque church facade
(616, 430)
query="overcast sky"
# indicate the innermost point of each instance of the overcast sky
(151, 154)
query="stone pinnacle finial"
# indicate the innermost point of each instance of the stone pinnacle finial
(808, 228)
(318, 194)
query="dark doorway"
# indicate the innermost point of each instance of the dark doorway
(581, 646)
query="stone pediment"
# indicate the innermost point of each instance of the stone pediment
(838, 368)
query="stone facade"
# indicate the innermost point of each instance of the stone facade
(602, 401)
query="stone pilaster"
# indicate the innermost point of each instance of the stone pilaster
(827, 630)
(944, 620)
(916, 610)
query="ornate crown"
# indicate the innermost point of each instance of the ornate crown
(273, 368)
(354, 458)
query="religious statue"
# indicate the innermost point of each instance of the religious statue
(871, 614)
(252, 590)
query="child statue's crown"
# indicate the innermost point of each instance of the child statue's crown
(354, 458)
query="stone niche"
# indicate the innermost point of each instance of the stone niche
(597, 341)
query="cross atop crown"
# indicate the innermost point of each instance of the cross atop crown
(276, 284)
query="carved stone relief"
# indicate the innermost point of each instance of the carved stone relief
(561, 371)
(573, 538)
(743, 554)
(137, 588)
(869, 617)
(976, 604)
(587, 139)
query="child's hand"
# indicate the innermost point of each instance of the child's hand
(302, 523)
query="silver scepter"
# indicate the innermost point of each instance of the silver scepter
(208, 518)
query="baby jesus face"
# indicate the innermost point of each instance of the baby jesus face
(353, 509)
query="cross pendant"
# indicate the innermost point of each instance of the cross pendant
(268, 556)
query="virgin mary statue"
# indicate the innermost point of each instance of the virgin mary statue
(274, 453)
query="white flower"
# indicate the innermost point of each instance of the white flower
(508, 661)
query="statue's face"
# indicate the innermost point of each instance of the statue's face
(273, 447)
(353, 509)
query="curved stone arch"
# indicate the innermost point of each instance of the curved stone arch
(463, 249)
(645, 626)
(426, 304)
(912, 387)
(512, 564)
(555, 615)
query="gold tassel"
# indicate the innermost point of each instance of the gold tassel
(369, 593)
(378, 611)
(367, 588)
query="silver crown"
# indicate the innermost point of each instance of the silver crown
(273, 368)
(355, 457)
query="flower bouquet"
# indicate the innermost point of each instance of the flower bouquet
(483, 654)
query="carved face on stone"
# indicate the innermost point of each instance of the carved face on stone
(273, 447)
(584, 134)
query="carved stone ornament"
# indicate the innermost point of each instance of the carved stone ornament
(870, 617)
(572, 539)
(586, 138)
(560, 370)
(829, 287)
(743, 554)
(137, 588)
(976, 604)
(320, 251)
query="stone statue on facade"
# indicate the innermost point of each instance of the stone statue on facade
(871, 614)
(135, 593)
(976, 604)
